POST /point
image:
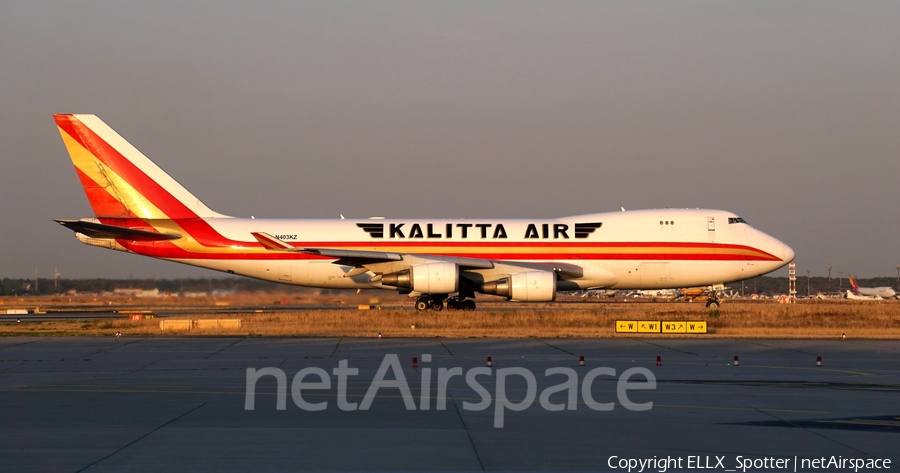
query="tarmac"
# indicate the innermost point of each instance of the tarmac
(102, 404)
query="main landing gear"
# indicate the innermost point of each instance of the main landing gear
(436, 302)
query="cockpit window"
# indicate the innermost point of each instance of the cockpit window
(736, 220)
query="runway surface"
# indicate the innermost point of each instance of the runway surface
(178, 404)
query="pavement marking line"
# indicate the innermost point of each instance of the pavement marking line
(336, 345)
(143, 436)
(648, 342)
(107, 349)
(448, 351)
(735, 408)
(363, 386)
(39, 339)
(860, 342)
(383, 396)
(811, 368)
(558, 348)
(753, 342)
(468, 432)
(225, 347)
(743, 365)
(129, 342)
(769, 413)
(139, 391)
(143, 367)
(787, 384)
(13, 366)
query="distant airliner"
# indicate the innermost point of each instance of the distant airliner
(883, 292)
(139, 209)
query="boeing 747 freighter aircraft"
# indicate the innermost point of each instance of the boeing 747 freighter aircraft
(139, 209)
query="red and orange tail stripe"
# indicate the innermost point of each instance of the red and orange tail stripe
(120, 181)
(123, 184)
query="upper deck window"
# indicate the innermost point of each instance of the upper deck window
(736, 220)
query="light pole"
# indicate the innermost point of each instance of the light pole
(898, 277)
(840, 281)
(829, 270)
(807, 284)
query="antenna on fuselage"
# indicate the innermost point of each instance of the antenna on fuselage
(623, 208)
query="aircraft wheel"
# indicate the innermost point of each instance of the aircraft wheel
(453, 304)
(437, 306)
(468, 305)
(712, 304)
(421, 304)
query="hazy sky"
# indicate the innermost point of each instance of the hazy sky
(787, 113)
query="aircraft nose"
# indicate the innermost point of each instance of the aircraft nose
(782, 253)
(787, 253)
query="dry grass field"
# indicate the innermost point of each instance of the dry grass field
(574, 318)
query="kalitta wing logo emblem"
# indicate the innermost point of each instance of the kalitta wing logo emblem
(375, 230)
(582, 230)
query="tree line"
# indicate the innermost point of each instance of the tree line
(46, 286)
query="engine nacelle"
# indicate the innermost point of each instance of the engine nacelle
(527, 286)
(427, 278)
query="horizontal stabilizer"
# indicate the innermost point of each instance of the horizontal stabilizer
(272, 243)
(100, 230)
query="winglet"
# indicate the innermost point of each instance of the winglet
(270, 242)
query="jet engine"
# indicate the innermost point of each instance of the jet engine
(427, 278)
(527, 286)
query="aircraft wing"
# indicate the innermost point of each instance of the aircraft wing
(379, 261)
(369, 256)
(360, 257)
(275, 244)
(564, 270)
(100, 230)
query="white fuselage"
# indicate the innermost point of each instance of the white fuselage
(644, 249)
(883, 292)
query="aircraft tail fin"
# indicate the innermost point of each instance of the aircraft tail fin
(119, 181)
(854, 284)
